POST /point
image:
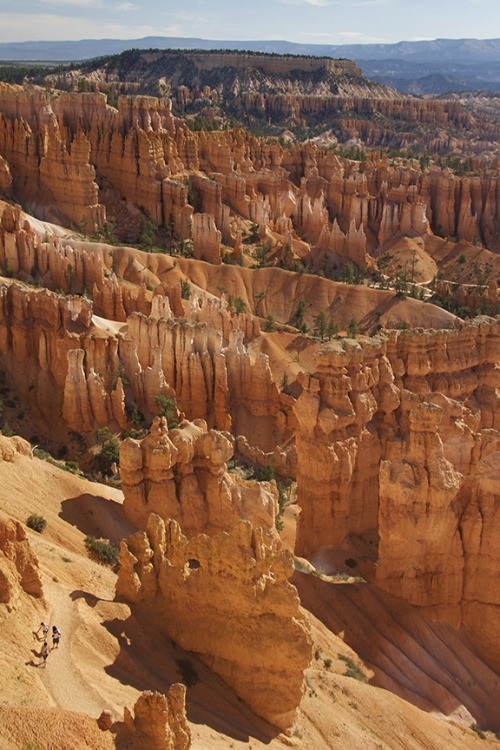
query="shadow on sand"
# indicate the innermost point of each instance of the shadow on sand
(149, 660)
(97, 516)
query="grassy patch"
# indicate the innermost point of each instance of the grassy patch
(103, 551)
(353, 670)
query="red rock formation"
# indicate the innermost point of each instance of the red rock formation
(206, 238)
(219, 597)
(143, 155)
(420, 550)
(387, 431)
(18, 564)
(157, 723)
(181, 474)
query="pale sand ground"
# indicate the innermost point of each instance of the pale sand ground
(106, 658)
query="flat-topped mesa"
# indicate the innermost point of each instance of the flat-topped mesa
(272, 63)
(228, 599)
(397, 434)
(338, 446)
(181, 473)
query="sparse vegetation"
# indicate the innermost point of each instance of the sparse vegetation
(185, 289)
(352, 669)
(477, 729)
(35, 522)
(167, 408)
(102, 550)
(110, 449)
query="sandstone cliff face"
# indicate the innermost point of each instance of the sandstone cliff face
(158, 722)
(181, 474)
(479, 524)
(389, 430)
(228, 599)
(417, 497)
(18, 564)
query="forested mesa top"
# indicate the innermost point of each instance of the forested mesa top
(271, 63)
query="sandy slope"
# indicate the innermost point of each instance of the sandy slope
(106, 657)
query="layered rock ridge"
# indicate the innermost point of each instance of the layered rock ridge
(142, 156)
(181, 473)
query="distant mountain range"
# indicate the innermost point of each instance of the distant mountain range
(434, 66)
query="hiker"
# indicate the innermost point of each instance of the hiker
(45, 652)
(56, 634)
(44, 628)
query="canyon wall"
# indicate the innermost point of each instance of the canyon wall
(140, 155)
(18, 564)
(399, 434)
(228, 599)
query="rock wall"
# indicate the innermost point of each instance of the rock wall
(158, 722)
(181, 473)
(18, 565)
(399, 434)
(228, 599)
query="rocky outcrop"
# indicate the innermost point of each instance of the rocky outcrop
(399, 435)
(18, 564)
(181, 473)
(141, 155)
(5, 178)
(228, 599)
(158, 722)
(479, 525)
(416, 502)
(206, 238)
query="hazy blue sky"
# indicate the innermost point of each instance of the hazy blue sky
(307, 21)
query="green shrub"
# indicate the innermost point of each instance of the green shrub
(353, 670)
(136, 417)
(110, 449)
(477, 729)
(168, 409)
(104, 551)
(270, 324)
(37, 523)
(185, 289)
(353, 327)
(327, 663)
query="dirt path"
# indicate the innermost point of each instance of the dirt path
(61, 676)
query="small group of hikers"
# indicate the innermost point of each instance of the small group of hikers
(43, 632)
